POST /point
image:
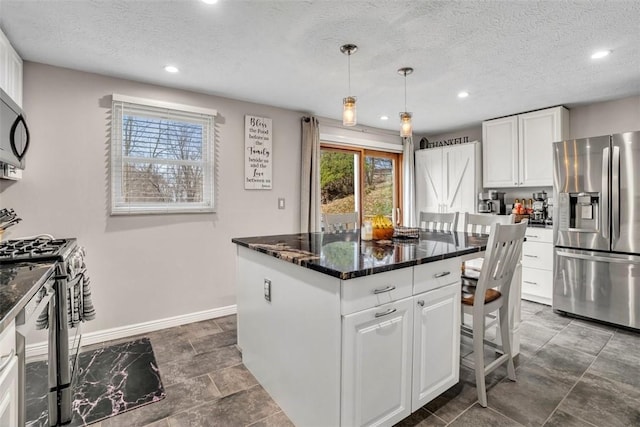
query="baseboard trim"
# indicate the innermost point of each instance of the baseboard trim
(40, 349)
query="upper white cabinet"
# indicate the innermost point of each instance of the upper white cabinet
(517, 150)
(10, 70)
(448, 178)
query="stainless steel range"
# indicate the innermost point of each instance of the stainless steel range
(62, 356)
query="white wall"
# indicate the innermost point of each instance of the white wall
(603, 118)
(148, 267)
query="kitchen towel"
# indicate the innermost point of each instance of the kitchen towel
(79, 304)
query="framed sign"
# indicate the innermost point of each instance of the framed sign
(257, 153)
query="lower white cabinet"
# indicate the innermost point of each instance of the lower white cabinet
(537, 265)
(436, 343)
(9, 392)
(376, 364)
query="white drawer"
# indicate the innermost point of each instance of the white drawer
(537, 283)
(534, 234)
(376, 289)
(435, 275)
(537, 255)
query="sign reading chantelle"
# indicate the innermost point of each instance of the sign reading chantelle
(257, 147)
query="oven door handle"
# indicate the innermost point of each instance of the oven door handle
(29, 323)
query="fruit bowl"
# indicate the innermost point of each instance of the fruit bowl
(382, 227)
(382, 233)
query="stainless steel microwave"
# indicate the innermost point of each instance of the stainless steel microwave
(14, 133)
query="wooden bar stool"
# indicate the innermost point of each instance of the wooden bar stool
(491, 294)
(438, 221)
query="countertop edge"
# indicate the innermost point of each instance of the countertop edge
(13, 313)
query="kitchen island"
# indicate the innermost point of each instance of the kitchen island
(344, 332)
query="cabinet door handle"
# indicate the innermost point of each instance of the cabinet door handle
(421, 303)
(530, 235)
(383, 290)
(8, 359)
(515, 183)
(531, 283)
(385, 313)
(531, 256)
(444, 273)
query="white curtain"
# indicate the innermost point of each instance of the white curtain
(310, 176)
(408, 184)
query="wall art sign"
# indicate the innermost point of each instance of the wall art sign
(444, 142)
(257, 153)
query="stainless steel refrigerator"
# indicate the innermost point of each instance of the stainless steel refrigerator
(596, 272)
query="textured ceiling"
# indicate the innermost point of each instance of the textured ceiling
(511, 56)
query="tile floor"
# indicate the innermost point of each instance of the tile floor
(570, 373)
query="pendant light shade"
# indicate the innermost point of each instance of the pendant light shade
(349, 111)
(349, 117)
(406, 128)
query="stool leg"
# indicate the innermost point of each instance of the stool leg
(505, 333)
(478, 358)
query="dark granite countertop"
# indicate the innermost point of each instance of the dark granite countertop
(18, 284)
(345, 256)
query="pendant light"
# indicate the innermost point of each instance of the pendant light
(349, 103)
(406, 129)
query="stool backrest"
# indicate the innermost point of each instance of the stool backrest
(438, 221)
(504, 250)
(335, 223)
(481, 224)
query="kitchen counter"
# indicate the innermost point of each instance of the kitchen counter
(343, 332)
(345, 256)
(18, 284)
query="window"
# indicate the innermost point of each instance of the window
(162, 157)
(359, 180)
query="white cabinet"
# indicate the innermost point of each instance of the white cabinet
(517, 150)
(537, 265)
(9, 392)
(376, 364)
(10, 70)
(436, 343)
(448, 178)
(8, 378)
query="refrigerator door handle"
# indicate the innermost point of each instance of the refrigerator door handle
(615, 196)
(605, 193)
(598, 258)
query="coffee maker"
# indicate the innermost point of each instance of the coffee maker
(497, 202)
(539, 214)
(484, 203)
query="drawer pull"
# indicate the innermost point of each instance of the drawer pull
(382, 291)
(531, 256)
(8, 359)
(385, 313)
(421, 303)
(444, 273)
(531, 283)
(533, 236)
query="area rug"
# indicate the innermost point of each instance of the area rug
(115, 379)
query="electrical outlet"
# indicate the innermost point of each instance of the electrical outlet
(280, 202)
(267, 289)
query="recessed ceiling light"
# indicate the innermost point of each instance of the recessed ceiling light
(600, 54)
(171, 69)
(384, 117)
(210, 1)
(463, 94)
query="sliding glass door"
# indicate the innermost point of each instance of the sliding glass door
(360, 180)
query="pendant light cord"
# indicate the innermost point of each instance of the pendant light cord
(405, 91)
(349, 72)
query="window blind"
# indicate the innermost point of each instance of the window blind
(162, 159)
